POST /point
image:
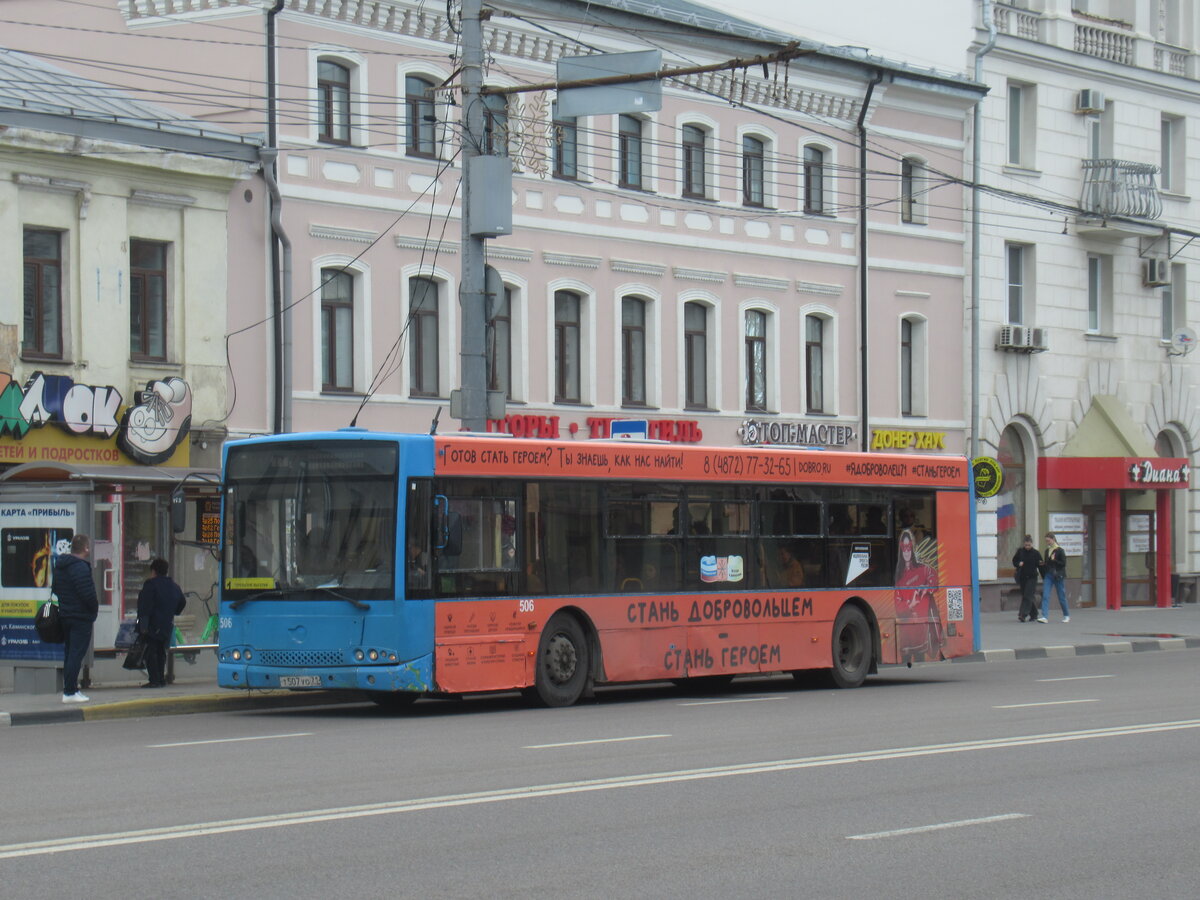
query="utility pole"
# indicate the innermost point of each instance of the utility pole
(471, 297)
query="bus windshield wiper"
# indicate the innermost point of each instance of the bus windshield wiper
(326, 589)
(241, 601)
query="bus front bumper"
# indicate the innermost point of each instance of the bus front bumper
(415, 675)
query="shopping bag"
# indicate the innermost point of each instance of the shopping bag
(49, 624)
(136, 657)
(126, 635)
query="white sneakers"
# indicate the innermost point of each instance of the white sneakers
(1043, 619)
(77, 697)
(1066, 619)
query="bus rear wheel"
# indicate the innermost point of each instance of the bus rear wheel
(562, 662)
(851, 645)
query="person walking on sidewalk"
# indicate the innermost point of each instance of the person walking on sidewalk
(1028, 562)
(1054, 574)
(159, 603)
(78, 606)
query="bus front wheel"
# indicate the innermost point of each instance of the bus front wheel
(851, 644)
(562, 662)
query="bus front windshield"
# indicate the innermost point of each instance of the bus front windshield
(311, 515)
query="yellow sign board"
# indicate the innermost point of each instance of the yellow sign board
(249, 584)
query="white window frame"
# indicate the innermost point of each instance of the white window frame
(712, 304)
(1020, 126)
(919, 371)
(653, 329)
(357, 64)
(712, 152)
(448, 336)
(829, 338)
(772, 350)
(587, 329)
(360, 272)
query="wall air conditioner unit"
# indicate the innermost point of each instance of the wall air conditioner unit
(1038, 339)
(1089, 101)
(1156, 273)
(1014, 337)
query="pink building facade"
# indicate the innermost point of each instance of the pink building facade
(705, 267)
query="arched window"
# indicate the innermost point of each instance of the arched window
(913, 387)
(814, 180)
(753, 171)
(1012, 514)
(912, 191)
(423, 311)
(633, 351)
(337, 330)
(333, 102)
(566, 146)
(756, 360)
(629, 150)
(422, 117)
(495, 124)
(568, 328)
(499, 343)
(694, 146)
(814, 364)
(695, 352)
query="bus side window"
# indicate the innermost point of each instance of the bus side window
(418, 566)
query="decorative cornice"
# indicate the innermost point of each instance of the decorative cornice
(825, 290)
(513, 254)
(571, 259)
(392, 17)
(761, 281)
(82, 189)
(335, 233)
(158, 198)
(914, 295)
(411, 243)
(634, 267)
(683, 274)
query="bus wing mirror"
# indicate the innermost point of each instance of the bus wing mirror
(449, 528)
(178, 511)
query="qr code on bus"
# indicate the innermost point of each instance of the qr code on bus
(954, 604)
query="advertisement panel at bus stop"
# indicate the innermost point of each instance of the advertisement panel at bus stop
(31, 535)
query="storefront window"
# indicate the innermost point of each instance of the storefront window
(1011, 513)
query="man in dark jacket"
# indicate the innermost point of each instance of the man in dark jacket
(78, 606)
(159, 603)
(1027, 562)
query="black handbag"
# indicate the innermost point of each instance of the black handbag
(136, 657)
(48, 623)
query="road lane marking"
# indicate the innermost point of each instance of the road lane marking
(733, 700)
(261, 737)
(283, 820)
(1074, 678)
(636, 737)
(940, 826)
(1043, 703)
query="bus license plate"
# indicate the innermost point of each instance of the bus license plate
(299, 680)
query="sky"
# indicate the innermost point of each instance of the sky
(886, 28)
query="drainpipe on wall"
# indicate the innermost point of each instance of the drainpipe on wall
(976, 115)
(280, 293)
(283, 310)
(864, 429)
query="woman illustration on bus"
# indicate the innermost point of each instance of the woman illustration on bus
(918, 623)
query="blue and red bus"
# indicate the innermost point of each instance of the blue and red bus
(404, 564)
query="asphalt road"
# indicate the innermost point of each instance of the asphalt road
(1072, 777)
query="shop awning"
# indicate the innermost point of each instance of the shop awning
(57, 471)
(1103, 473)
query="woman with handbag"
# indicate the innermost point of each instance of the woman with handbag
(1027, 562)
(159, 603)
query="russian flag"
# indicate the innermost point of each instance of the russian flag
(1006, 514)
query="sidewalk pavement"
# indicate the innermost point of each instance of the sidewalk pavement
(1090, 632)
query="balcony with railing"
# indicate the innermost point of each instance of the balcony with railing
(1098, 37)
(1116, 188)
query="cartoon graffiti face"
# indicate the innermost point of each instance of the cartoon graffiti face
(154, 426)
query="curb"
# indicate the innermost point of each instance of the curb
(1109, 647)
(173, 706)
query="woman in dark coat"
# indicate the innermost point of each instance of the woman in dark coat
(159, 603)
(1027, 561)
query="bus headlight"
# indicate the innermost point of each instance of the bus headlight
(249, 655)
(358, 654)
(373, 655)
(237, 654)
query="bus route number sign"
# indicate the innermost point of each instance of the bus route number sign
(988, 475)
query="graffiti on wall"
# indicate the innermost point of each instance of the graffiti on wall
(149, 430)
